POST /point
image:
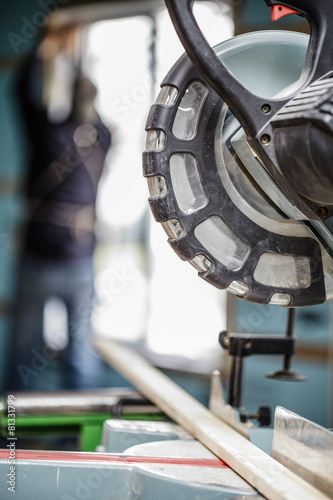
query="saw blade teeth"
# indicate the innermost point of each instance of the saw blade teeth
(155, 140)
(173, 228)
(201, 263)
(167, 95)
(238, 288)
(157, 186)
(280, 299)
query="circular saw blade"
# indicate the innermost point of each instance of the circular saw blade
(218, 205)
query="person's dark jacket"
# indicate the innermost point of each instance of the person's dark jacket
(65, 165)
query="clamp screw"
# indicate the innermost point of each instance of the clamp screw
(265, 108)
(265, 139)
(263, 416)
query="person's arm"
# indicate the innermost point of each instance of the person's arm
(30, 84)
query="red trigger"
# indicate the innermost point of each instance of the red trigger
(279, 11)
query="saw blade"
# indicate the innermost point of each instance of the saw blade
(219, 207)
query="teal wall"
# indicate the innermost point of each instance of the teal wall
(20, 22)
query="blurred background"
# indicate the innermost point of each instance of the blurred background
(145, 296)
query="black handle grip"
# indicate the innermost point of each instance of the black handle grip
(246, 106)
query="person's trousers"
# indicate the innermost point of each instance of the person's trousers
(39, 280)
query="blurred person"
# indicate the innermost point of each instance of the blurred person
(67, 160)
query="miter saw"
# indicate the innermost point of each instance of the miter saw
(239, 157)
(239, 167)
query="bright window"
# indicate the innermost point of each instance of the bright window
(145, 292)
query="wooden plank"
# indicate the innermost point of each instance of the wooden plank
(264, 473)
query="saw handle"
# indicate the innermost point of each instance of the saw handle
(248, 108)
